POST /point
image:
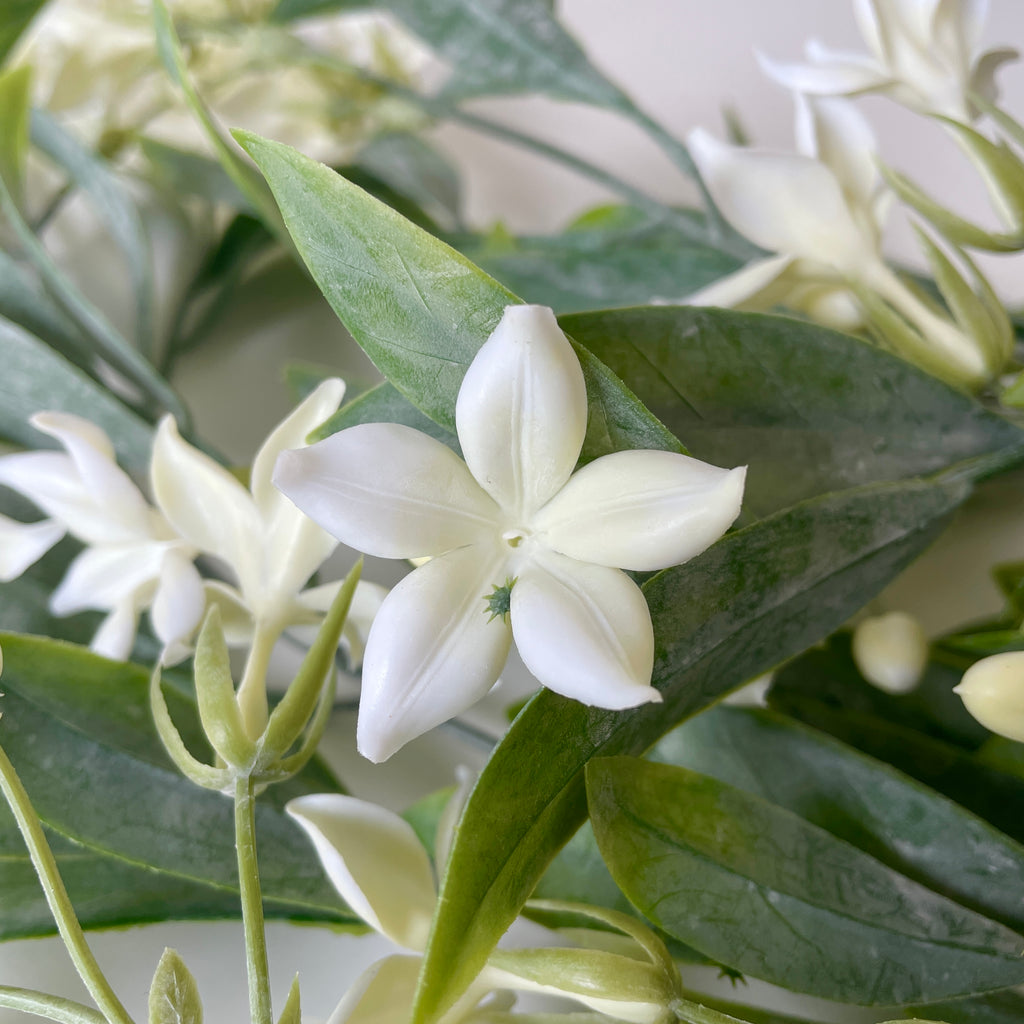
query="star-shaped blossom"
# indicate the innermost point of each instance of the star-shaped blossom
(513, 516)
(133, 558)
(923, 53)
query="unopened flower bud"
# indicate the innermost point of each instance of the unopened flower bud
(891, 651)
(993, 692)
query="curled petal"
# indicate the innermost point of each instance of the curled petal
(387, 490)
(983, 77)
(432, 650)
(207, 505)
(584, 631)
(374, 860)
(758, 286)
(784, 202)
(641, 510)
(22, 544)
(522, 410)
(178, 604)
(106, 577)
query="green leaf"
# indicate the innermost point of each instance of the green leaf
(995, 1008)
(418, 309)
(600, 267)
(174, 995)
(758, 596)
(78, 729)
(494, 47)
(15, 87)
(758, 888)
(869, 805)
(115, 206)
(183, 172)
(15, 16)
(810, 409)
(36, 378)
(818, 689)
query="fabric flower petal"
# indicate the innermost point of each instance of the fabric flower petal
(521, 413)
(641, 510)
(207, 505)
(376, 863)
(783, 202)
(432, 650)
(387, 490)
(23, 544)
(584, 631)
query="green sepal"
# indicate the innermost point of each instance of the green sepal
(201, 774)
(174, 995)
(215, 695)
(14, 128)
(297, 707)
(292, 1012)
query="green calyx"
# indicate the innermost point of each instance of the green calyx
(499, 602)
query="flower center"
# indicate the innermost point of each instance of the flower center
(513, 538)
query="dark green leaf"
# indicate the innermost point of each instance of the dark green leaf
(115, 206)
(810, 409)
(419, 309)
(899, 822)
(600, 267)
(755, 886)
(15, 16)
(36, 378)
(756, 597)
(78, 729)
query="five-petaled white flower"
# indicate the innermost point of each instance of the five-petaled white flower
(134, 559)
(512, 529)
(270, 547)
(924, 53)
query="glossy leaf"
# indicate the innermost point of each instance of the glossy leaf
(757, 887)
(494, 47)
(588, 268)
(35, 378)
(810, 409)
(418, 309)
(905, 825)
(78, 729)
(115, 206)
(756, 597)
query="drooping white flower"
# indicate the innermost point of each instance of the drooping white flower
(993, 692)
(923, 53)
(510, 530)
(891, 651)
(133, 558)
(269, 546)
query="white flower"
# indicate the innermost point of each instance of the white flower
(269, 546)
(513, 519)
(993, 692)
(133, 559)
(891, 651)
(924, 53)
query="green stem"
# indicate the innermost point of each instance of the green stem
(57, 897)
(252, 903)
(252, 690)
(697, 1013)
(63, 1011)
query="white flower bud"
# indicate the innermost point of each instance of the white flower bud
(993, 691)
(891, 651)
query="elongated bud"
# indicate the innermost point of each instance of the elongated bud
(993, 692)
(891, 651)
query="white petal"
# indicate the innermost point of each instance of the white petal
(835, 132)
(641, 510)
(235, 618)
(207, 505)
(22, 544)
(107, 576)
(179, 602)
(584, 631)
(374, 860)
(757, 286)
(388, 490)
(834, 75)
(366, 602)
(116, 634)
(785, 202)
(432, 651)
(522, 410)
(867, 16)
(101, 477)
(382, 994)
(295, 546)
